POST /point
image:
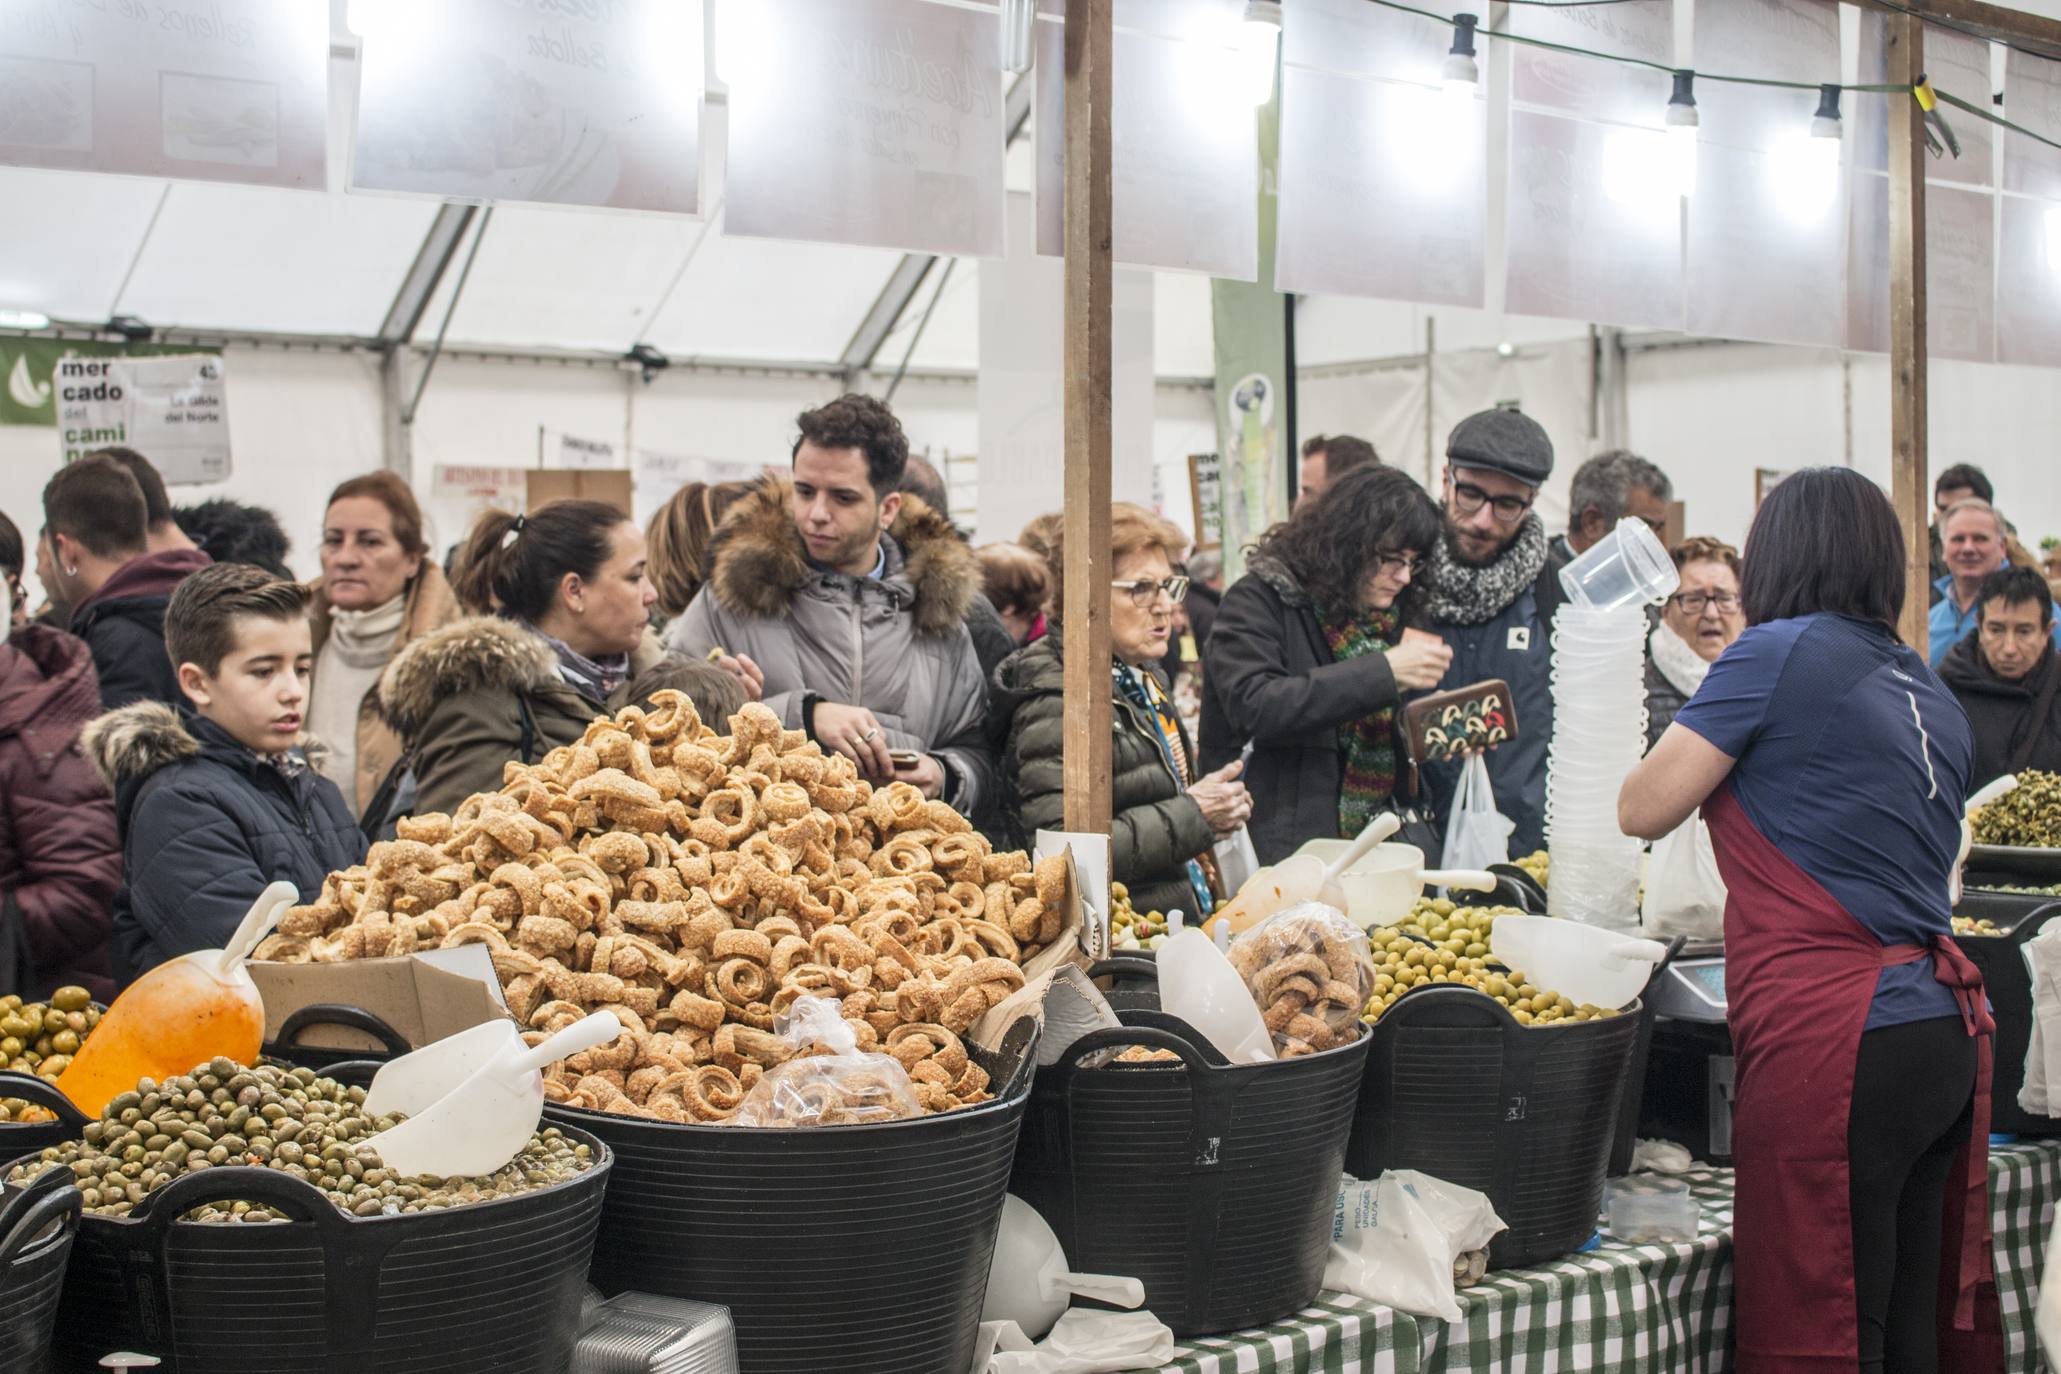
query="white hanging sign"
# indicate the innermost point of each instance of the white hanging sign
(557, 449)
(212, 90)
(503, 487)
(176, 409)
(656, 476)
(563, 102)
(871, 122)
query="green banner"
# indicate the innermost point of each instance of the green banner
(28, 394)
(1252, 374)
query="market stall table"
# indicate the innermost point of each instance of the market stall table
(1619, 1308)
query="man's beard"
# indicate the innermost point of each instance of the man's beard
(1468, 560)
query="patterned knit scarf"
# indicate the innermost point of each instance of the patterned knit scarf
(1462, 594)
(1366, 746)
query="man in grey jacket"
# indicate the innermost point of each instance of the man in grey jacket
(842, 603)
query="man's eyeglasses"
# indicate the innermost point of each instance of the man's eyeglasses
(1144, 591)
(1395, 563)
(1468, 499)
(1695, 602)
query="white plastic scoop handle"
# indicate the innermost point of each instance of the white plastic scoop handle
(486, 1120)
(1113, 1289)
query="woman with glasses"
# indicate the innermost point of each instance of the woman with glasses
(1308, 659)
(1696, 625)
(1164, 818)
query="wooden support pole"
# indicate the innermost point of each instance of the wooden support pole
(1089, 43)
(1907, 314)
(1089, 361)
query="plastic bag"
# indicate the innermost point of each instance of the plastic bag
(840, 1088)
(1403, 1239)
(1237, 860)
(1685, 893)
(1311, 972)
(1477, 834)
(1083, 1342)
(2040, 1093)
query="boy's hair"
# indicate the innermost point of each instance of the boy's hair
(98, 503)
(200, 622)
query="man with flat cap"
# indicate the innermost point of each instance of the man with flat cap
(1494, 587)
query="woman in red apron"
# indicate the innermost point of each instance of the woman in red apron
(1832, 766)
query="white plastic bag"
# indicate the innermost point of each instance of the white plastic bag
(1685, 893)
(2040, 1093)
(1477, 834)
(1083, 1342)
(1401, 1239)
(1237, 860)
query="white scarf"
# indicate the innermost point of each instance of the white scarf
(365, 639)
(352, 658)
(1680, 664)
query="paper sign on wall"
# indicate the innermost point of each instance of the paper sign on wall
(875, 122)
(569, 452)
(213, 90)
(537, 100)
(658, 475)
(1206, 490)
(503, 488)
(174, 409)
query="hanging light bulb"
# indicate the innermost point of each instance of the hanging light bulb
(1019, 22)
(1682, 125)
(1259, 44)
(1462, 75)
(1826, 123)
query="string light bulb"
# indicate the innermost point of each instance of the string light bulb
(1019, 22)
(1462, 74)
(1826, 123)
(1683, 124)
(1259, 46)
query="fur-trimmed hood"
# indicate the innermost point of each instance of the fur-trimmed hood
(477, 653)
(758, 563)
(129, 745)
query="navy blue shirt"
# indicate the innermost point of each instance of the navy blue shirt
(1853, 761)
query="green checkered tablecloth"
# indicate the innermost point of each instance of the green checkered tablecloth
(1619, 1308)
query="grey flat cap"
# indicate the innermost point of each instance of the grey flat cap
(1505, 441)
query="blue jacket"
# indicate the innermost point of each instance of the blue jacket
(1515, 645)
(205, 826)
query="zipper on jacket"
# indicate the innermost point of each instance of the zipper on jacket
(858, 644)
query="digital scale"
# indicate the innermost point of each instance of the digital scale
(1690, 1074)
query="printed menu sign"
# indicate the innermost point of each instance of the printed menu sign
(216, 90)
(175, 409)
(566, 102)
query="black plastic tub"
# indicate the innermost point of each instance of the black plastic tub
(19, 1138)
(846, 1248)
(37, 1227)
(287, 1048)
(2008, 982)
(1213, 1184)
(492, 1288)
(1528, 1115)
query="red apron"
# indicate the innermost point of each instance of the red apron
(1800, 975)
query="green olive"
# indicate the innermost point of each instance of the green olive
(70, 999)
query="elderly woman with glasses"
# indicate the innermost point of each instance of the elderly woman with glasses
(1164, 818)
(1696, 625)
(1309, 659)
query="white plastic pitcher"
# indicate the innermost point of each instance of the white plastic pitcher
(1626, 567)
(1588, 966)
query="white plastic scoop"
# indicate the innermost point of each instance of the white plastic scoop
(1983, 797)
(1028, 1281)
(1585, 964)
(1300, 878)
(484, 1121)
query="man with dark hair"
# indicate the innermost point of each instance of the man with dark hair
(1326, 458)
(96, 533)
(164, 533)
(1495, 584)
(2006, 675)
(1961, 482)
(237, 532)
(1606, 489)
(843, 604)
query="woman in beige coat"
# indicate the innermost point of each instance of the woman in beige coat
(379, 592)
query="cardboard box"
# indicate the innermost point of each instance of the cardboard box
(615, 486)
(423, 997)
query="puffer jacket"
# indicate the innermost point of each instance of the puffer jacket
(1155, 827)
(59, 860)
(897, 644)
(484, 691)
(431, 606)
(124, 625)
(1268, 676)
(206, 826)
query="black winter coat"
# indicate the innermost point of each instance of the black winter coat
(206, 826)
(1155, 827)
(1268, 676)
(124, 625)
(2004, 715)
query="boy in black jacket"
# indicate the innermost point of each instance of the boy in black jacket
(216, 800)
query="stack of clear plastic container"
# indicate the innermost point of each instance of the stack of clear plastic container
(1599, 722)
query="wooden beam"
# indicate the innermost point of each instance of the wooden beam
(1907, 314)
(1089, 43)
(2033, 32)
